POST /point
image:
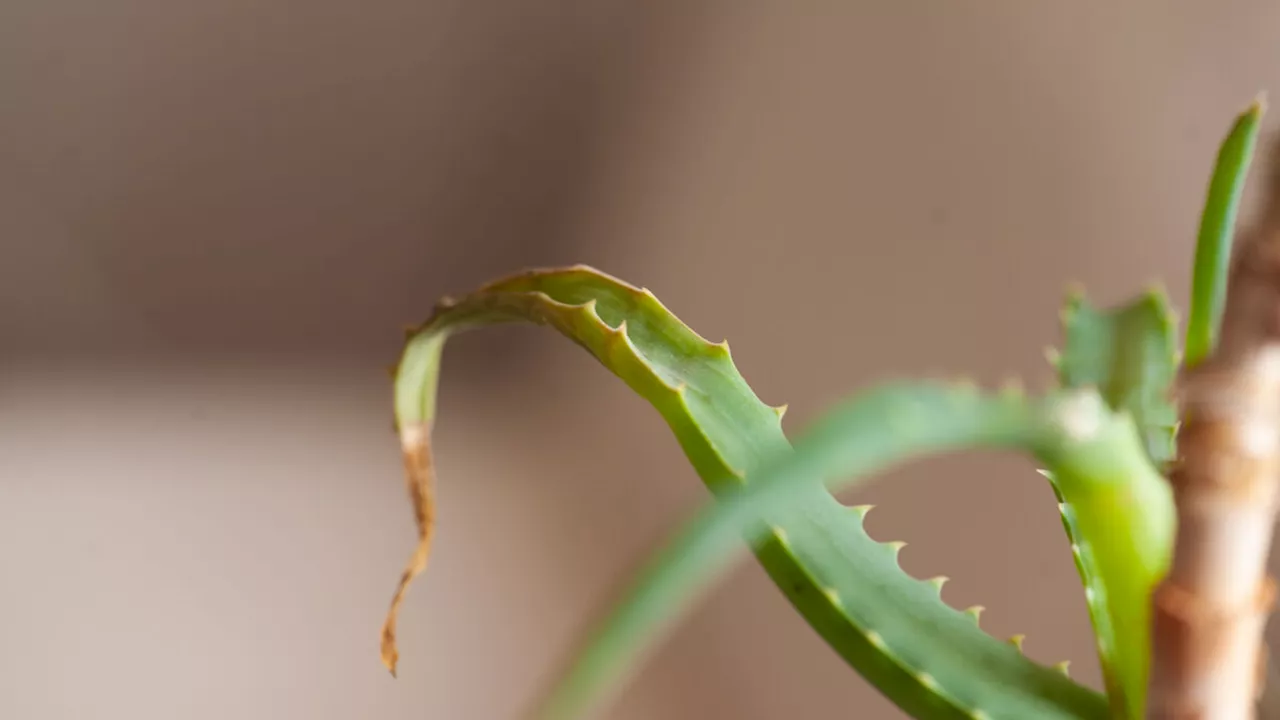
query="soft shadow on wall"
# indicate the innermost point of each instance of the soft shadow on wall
(208, 180)
(218, 217)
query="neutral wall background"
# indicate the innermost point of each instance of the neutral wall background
(218, 215)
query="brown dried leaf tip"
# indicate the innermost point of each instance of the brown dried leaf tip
(415, 445)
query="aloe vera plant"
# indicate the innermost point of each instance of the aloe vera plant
(1107, 438)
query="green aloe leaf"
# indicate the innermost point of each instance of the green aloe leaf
(1128, 353)
(1217, 231)
(933, 661)
(1099, 465)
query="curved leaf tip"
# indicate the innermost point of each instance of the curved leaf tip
(415, 446)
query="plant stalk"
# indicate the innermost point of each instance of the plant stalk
(1209, 612)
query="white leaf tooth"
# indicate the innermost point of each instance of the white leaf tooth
(876, 639)
(895, 546)
(927, 680)
(975, 612)
(862, 510)
(1064, 667)
(1017, 641)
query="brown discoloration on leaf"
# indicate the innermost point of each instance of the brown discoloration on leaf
(415, 442)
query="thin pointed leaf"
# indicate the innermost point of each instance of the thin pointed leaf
(1217, 231)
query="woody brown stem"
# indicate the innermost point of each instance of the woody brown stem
(1210, 610)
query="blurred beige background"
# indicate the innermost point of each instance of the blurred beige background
(218, 215)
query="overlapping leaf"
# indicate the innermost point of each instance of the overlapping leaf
(930, 659)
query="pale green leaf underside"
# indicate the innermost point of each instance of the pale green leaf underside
(1129, 353)
(1122, 549)
(930, 659)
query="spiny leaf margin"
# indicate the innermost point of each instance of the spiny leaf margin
(1122, 549)
(1089, 448)
(816, 546)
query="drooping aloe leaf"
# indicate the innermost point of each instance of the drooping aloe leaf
(1217, 231)
(1122, 552)
(930, 659)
